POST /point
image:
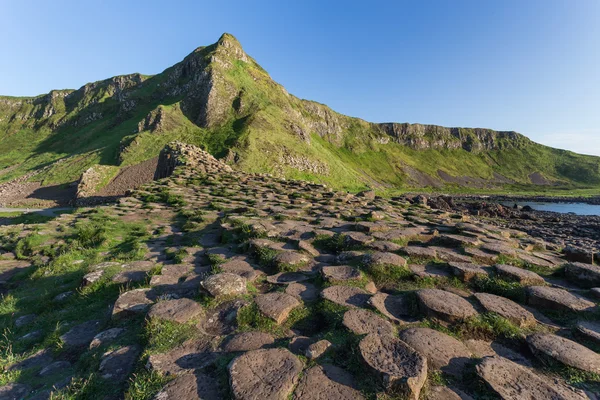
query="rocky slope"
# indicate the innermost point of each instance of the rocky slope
(218, 284)
(219, 98)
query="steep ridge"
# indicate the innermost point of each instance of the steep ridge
(220, 99)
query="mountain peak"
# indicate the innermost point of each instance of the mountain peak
(228, 40)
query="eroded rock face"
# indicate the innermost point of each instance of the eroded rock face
(225, 284)
(514, 382)
(401, 369)
(175, 154)
(264, 374)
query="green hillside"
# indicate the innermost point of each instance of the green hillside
(219, 98)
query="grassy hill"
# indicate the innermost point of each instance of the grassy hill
(219, 98)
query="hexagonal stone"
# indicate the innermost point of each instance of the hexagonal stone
(317, 349)
(276, 305)
(327, 382)
(303, 291)
(451, 255)
(363, 322)
(39, 359)
(511, 381)
(81, 335)
(517, 274)
(430, 270)
(264, 374)
(419, 253)
(116, 365)
(194, 386)
(222, 320)
(348, 296)
(443, 352)
(557, 299)
(480, 255)
(458, 240)
(396, 308)
(506, 308)
(444, 305)
(585, 275)
(340, 273)
(548, 346)
(177, 310)
(132, 303)
(290, 260)
(401, 368)
(286, 278)
(242, 268)
(225, 284)
(445, 393)
(53, 368)
(384, 246)
(533, 260)
(467, 271)
(590, 330)
(380, 258)
(354, 239)
(105, 337)
(193, 354)
(14, 391)
(248, 341)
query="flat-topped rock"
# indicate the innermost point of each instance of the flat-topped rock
(401, 368)
(177, 310)
(380, 258)
(264, 374)
(444, 305)
(517, 274)
(356, 239)
(14, 391)
(557, 299)
(323, 382)
(419, 253)
(242, 268)
(431, 270)
(590, 330)
(222, 320)
(276, 305)
(467, 271)
(458, 240)
(290, 260)
(81, 335)
(196, 386)
(116, 365)
(106, 337)
(317, 349)
(132, 303)
(225, 284)
(499, 248)
(445, 393)
(193, 354)
(395, 307)
(585, 275)
(443, 352)
(348, 296)
(340, 273)
(512, 381)
(506, 308)
(286, 278)
(481, 255)
(363, 322)
(549, 346)
(303, 291)
(38, 359)
(248, 341)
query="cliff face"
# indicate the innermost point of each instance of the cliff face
(220, 99)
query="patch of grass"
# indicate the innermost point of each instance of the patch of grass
(384, 275)
(489, 326)
(144, 384)
(332, 244)
(494, 285)
(163, 336)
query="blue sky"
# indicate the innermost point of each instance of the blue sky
(532, 66)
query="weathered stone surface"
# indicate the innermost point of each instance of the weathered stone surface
(14, 391)
(290, 260)
(480, 255)
(467, 272)
(225, 284)
(324, 382)
(419, 253)
(340, 273)
(585, 275)
(384, 258)
(195, 386)
(316, 350)
(445, 393)
(299, 344)
(557, 299)
(56, 366)
(222, 320)
(193, 354)
(402, 369)
(276, 305)
(548, 346)
(39, 359)
(512, 381)
(506, 308)
(356, 239)
(499, 248)
(590, 330)
(133, 272)
(24, 320)
(81, 335)
(242, 268)
(444, 305)
(264, 374)
(117, 365)
(517, 274)
(248, 341)
(177, 310)
(396, 308)
(105, 337)
(303, 291)
(130, 303)
(286, 278)
(363, 322)
(443, 352)
(431, 270)
(348, 296)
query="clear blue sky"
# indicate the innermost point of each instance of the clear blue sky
(527, 65)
